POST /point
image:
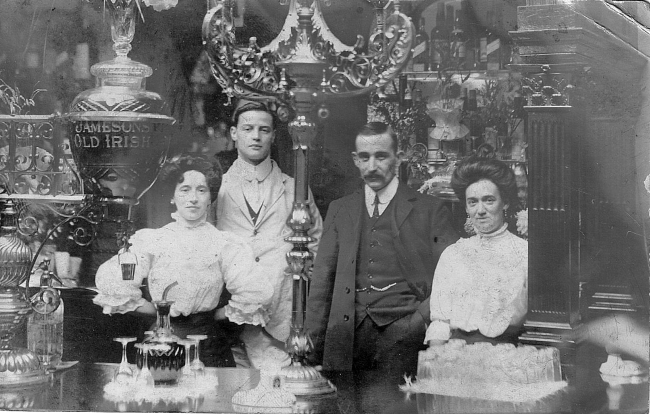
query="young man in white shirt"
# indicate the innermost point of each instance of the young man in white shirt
(255, 201)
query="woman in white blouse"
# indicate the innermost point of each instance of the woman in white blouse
(480, 286)
(199, 257)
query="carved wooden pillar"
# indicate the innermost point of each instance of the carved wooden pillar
(555, 181)
(574, 72)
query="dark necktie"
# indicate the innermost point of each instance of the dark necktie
(375, 213)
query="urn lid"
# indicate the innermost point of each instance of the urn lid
(120, 93)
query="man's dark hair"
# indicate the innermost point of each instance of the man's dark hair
(378, 128)
(173, 170)
(476, 168)
(246, 106)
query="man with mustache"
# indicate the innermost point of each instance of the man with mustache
(255, 201)
(368, 303)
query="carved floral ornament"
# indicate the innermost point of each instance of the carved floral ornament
(306, 57)
(600, 92)
(547, 89)
(158, 5)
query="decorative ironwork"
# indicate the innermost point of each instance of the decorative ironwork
(34, 157)
(79, 218)
(253, 72)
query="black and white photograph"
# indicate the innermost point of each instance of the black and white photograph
(325, 206)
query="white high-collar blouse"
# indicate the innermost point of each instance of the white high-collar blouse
(480, 283)
(201, 259)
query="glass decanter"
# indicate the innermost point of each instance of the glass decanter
(166, 356)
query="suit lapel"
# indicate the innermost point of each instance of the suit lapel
(236, 194)
(275, 193)
(356, 208)
(403, 207)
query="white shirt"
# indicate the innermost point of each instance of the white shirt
(386, 194)
(255, 185)
(480, 283)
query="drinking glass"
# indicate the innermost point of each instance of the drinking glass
(197, 366)
(144, 376)
(187, 373)
(124, 373)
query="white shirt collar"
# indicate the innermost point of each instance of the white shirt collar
(497, 233)
(252, 172)
(180, 222)
(386, 194)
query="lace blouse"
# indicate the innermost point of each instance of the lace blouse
(480, 283)
(201, 259)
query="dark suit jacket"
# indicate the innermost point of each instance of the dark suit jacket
(422, 229)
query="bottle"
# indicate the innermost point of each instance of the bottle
(421, 125)
(493, 46)
(493, 50)
(465, 99)
(458, 48)
(421, 49)
(468, 25)
(45, 330)
(472, 104)
(85, 51)
(482, 54)
(505, 55)
(405, 97)
(437, 39)
(408, 97)
(450, 16)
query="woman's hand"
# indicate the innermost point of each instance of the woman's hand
(148, 309)
(437, 342)
(220, 314)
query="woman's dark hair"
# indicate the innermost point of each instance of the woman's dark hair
(173, 170)
(476, 168)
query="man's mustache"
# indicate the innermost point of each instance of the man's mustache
(371, 176)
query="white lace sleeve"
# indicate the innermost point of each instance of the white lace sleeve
(115, 294)
(441, 301)
(246, 281)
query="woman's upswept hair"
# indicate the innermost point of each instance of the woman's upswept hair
(173, 170)
(476, 168)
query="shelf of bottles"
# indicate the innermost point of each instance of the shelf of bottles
(458, 43)
(459, 73)
(454, 60)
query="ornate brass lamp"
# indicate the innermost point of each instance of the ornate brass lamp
(303, 67)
